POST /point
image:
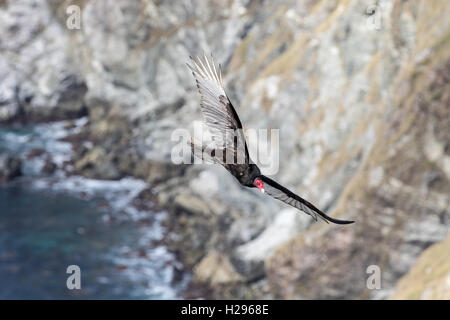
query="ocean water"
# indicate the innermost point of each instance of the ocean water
(48, 223)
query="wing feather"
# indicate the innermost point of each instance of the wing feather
(218, 112)
(281, 193)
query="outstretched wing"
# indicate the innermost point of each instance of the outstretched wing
(218, 112)
(279, 192)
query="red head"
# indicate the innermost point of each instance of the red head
(259, 184)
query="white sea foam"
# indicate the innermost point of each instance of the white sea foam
(153, 266)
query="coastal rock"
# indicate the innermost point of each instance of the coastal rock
(97, 164)
(10, 168)
(215, 269)
(192, 204)
(249, 257)
(429, 278)
(49, 166)
(40, 82)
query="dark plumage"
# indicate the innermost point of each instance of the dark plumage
(230, 146)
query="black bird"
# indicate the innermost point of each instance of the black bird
(229, 141)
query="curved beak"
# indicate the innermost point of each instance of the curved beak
(262, 190)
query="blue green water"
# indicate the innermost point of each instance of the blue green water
(48, 223)
(41, 234)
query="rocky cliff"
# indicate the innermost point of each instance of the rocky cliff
(429, 278)
(358, 89)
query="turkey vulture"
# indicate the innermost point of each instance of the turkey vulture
(229, 141)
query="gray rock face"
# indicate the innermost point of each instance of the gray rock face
(358, 92)
(39, 79)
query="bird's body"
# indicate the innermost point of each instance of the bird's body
(230, 146)
(249, 173)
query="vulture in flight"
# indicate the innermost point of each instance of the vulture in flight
(230, 148)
